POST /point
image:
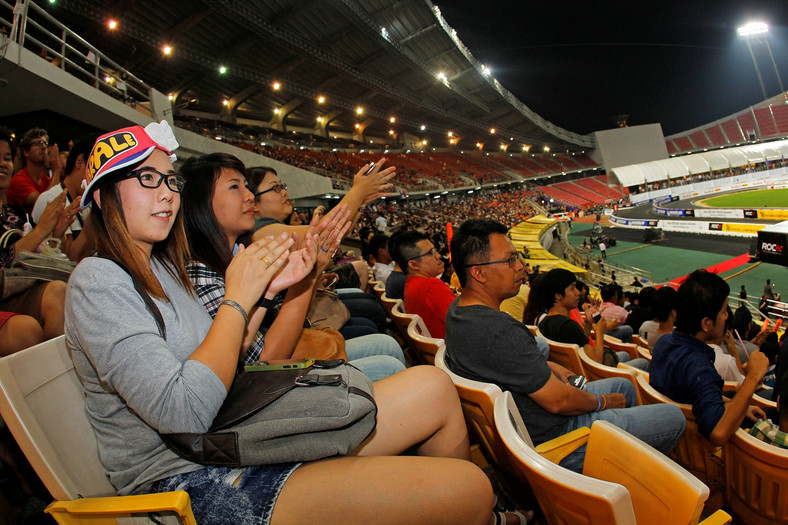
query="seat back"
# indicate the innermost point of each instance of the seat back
(478, 401)
(401, 319)
(596, 371)
(43, 404)
(693, 451)
(617, 345)
(756, 479)
(566, 497)
(388, 303)
(661, 491)
(566, 355)
(379, 287)
(426, 347)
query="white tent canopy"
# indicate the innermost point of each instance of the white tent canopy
(695, 163)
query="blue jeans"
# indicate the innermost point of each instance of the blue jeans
(639, 362)
(659, 425)
(543, 346)
(377, 355)
(623, 332)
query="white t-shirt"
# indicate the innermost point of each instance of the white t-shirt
(382, 271)
(726, 365)
(48, 196)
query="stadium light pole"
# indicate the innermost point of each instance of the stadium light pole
(759, 31)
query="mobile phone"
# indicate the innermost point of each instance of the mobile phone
(279, 364)
(577, 381)
(371, 167)
(596, 317)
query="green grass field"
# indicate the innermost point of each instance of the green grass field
(750, 199)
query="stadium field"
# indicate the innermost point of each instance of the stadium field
(749, 199)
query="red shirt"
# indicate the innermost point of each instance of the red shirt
(23, 185)
(429, 297)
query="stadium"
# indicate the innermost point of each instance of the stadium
(320, 92)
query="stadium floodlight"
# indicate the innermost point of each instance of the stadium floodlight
(759, 32)
(753, 28)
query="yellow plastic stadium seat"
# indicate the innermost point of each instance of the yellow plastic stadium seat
(644, 352)
(43, 404)
(478, 400)
(378, 287)
(693, 451)
(596, 371)
(566, 355)
(756, 480)
(424, 346)
(617, 345)
(388, 303)
(401, 319)
(565, 497)
(614, 488)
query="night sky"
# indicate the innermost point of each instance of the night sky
(580, 64)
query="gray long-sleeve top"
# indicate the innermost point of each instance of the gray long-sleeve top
(138, 384)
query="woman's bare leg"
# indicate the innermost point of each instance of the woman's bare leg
(53, 302)
(391, 490)
(18, 333)
(418, 406)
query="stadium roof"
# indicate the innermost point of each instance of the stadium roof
(389, 57)
(696, 163)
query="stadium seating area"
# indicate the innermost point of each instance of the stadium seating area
(756, 123)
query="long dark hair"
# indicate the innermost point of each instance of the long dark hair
(207, 240)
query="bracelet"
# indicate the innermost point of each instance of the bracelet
(605, 400)
(266, 303)
(238, 307)
(598, 402)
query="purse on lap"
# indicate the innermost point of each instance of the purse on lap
(283, 416)
(29, 269)
(280, 416)
(320, 342)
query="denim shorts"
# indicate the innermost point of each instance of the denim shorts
(222, 495)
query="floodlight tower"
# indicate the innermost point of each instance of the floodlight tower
(759, 31)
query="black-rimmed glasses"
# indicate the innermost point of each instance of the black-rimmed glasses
(431, 252)
(511, 260)
(147, 177)
(276, 187)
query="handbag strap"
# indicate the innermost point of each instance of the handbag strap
(147, 299)
(4, 239)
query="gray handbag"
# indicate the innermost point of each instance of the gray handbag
(284, 416)
(280, 416)
(30, 269)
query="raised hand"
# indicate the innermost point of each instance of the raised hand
(67, 217)
(299, 265)
(52, 215)
(252, 269)
(377, 182)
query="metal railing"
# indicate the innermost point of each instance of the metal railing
(38, 31)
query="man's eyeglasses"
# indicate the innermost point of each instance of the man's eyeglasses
(276, 187)
(432, 252)
(511, 260)
(148, 179)
(43, 143)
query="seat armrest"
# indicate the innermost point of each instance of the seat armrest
(558, 448)
(718, 518)
(79, 510)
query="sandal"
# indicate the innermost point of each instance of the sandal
(523, 516)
